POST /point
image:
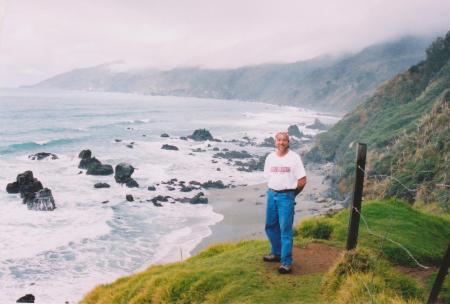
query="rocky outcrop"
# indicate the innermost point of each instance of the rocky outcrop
(129, 198)
(32, 192)
(233, 154)
(293, 130)
(29, 298)
(84, 154)
(42, 155)
(199, 198)
(318, 125)
(100, 170)
(41, 200)
(169, 147)
(123, 175)
(101, 185)
(268, 142)
(213, 184)
(201, 135)
(164, 135)
(93, 165)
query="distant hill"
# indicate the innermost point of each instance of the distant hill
(406, 124)
(327, 83)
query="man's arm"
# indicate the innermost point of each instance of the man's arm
(300, 185)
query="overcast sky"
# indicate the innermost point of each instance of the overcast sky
(41, 38)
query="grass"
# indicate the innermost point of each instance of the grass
(234, 272)
(426, 236)
(225, 273)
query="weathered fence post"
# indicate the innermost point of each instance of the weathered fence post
(353, 226)
(443, 271)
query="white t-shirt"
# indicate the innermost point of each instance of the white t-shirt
(283, 172)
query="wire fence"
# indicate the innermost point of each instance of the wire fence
(384, 235)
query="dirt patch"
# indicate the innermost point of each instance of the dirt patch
(417, 273)
(314, 258)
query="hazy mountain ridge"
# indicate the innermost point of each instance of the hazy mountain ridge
(406, 124)
(330, 83)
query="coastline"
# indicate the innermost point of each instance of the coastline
(243, 208)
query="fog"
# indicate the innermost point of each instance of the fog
(41, 38)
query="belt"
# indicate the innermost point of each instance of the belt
(282, 191)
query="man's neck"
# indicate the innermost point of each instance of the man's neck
(282, 153)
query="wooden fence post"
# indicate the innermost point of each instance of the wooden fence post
(443, 271)
(353, 226)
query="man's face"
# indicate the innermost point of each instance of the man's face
(282, 142)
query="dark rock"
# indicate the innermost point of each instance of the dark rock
(233, 154)
(131, 183)
(225, 149)
(211, 184)
(216, 149)
(100, 170)
(105, 202)
(199, 198)
(164, 135)
(218, 169)
(318, 125)
(31, 187)
(156, 204)
(183, 138)
(130, 146)
(160, 198)
(29, 298)
(169, 147)
(129, 197)
(25, 178)
(42, 155)
(151, 188)
(123, 172)
(293, 130)
(41, 200)
(85, 154)
(201, 135)
(252, 165)
(117, 140)
(187, 189)
(198, 150)
(183, 200)
(195, 183)
(101, 185)
(87, 163)
(268, 142)
(12, 187)
(170, 188)
(80, 172)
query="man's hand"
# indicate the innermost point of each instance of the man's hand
(300, 185)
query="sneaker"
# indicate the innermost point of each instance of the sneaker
(285, 269)
(271, 258)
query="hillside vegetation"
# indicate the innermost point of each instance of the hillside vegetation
(235, 273)
(329, 83)
(406, 125)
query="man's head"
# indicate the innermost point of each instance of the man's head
(282, 141)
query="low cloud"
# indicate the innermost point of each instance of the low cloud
(41, 38)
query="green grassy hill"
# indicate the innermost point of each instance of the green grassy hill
(235, 273)
(406, 126)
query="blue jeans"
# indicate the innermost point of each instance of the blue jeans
(279, 220)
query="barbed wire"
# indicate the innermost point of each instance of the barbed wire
(370, 231)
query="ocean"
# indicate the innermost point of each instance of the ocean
(60, 255)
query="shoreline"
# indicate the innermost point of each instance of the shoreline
(243, 208)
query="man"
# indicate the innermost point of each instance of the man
(286, 178)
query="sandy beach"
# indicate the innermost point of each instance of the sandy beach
(243, 208)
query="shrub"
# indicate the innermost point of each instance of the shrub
(317, 228)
